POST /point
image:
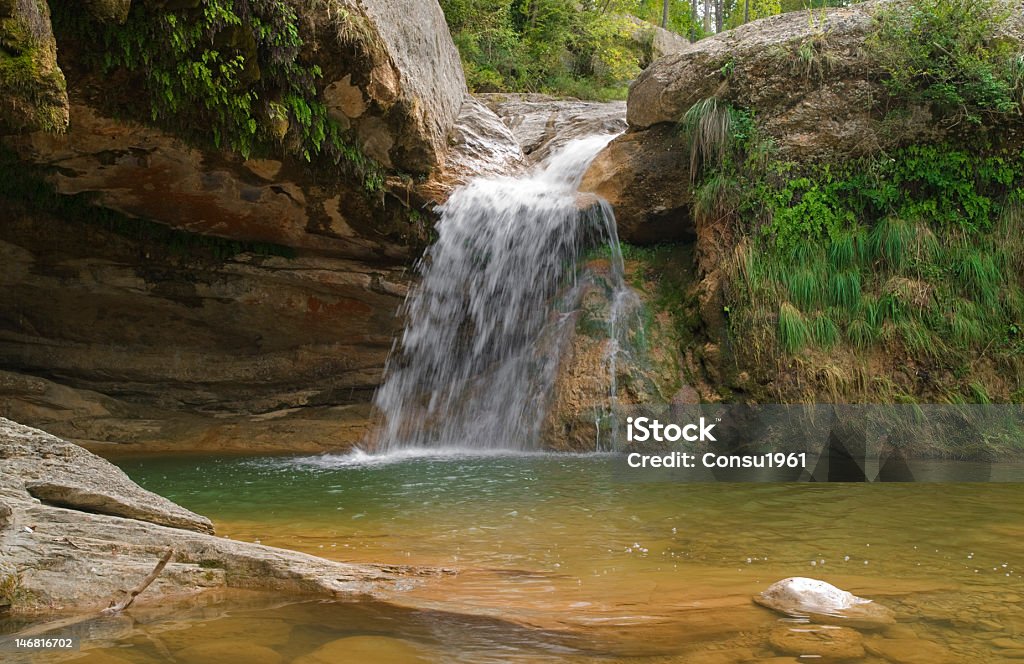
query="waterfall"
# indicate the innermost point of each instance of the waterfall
(476, 363)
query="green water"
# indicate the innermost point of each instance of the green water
(559, 561)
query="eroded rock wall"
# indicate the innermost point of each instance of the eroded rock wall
(111, 333)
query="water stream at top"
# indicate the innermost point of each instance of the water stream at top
(475, 366)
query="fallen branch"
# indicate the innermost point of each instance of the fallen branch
(118, 607)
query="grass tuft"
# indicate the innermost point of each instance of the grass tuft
(844, 289)
(707, 126)
(824, 331)
(793, 330)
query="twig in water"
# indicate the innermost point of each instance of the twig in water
(118, 607)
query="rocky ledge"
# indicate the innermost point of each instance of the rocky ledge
(76, 532)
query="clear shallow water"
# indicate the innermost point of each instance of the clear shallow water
(558, 562)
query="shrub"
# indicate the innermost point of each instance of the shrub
(945, 53)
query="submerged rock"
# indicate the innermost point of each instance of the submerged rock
(818, 601)
(822, 642)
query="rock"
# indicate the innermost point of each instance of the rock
(368, 649)
(88, 499)
(822, 642)
(826, 117)
(819, 601)
(149, 346)
(6, 515)
(150, 174)
(33, 94)
(109, 10)
(229, 652)
(646, 374)
(1008, 643)
(646, 180)
(665, 42)
(542, 124)
(909, 651)
(66, 475)
(78, 560)
(403, 90)
(479, 145)
(657, 41)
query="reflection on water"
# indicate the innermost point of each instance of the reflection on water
(560, 562)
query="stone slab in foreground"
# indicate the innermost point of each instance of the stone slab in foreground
(64, 558)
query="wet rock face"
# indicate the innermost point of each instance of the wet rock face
(478, 145)
(647, 183)
(33, 95)
(542, 124)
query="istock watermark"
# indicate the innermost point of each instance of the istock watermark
(818, 443)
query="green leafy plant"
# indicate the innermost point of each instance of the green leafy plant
(946, 53)
(228, 69)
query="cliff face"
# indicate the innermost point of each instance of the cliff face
(217, 262)
(837, 172)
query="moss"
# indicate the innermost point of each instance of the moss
(34, 88)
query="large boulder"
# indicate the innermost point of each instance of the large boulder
(647, 182)
(403, 89)
(814, 88)
(33, 94)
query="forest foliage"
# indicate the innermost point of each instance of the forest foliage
(590, 49)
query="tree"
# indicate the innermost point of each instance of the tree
(664, 13)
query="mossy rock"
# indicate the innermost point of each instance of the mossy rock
(33, 93)
(108, 10)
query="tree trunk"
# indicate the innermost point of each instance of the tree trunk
(707, 16)
(746, 11)
(719, 15)
(664, 13)
(693, 20)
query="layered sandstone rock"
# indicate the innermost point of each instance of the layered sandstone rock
(111, 331)
(70, 557)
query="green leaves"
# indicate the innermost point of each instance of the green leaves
(945, 53)
(230, 70)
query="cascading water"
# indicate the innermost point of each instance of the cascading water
(476, 363)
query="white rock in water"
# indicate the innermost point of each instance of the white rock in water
(822, 602)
